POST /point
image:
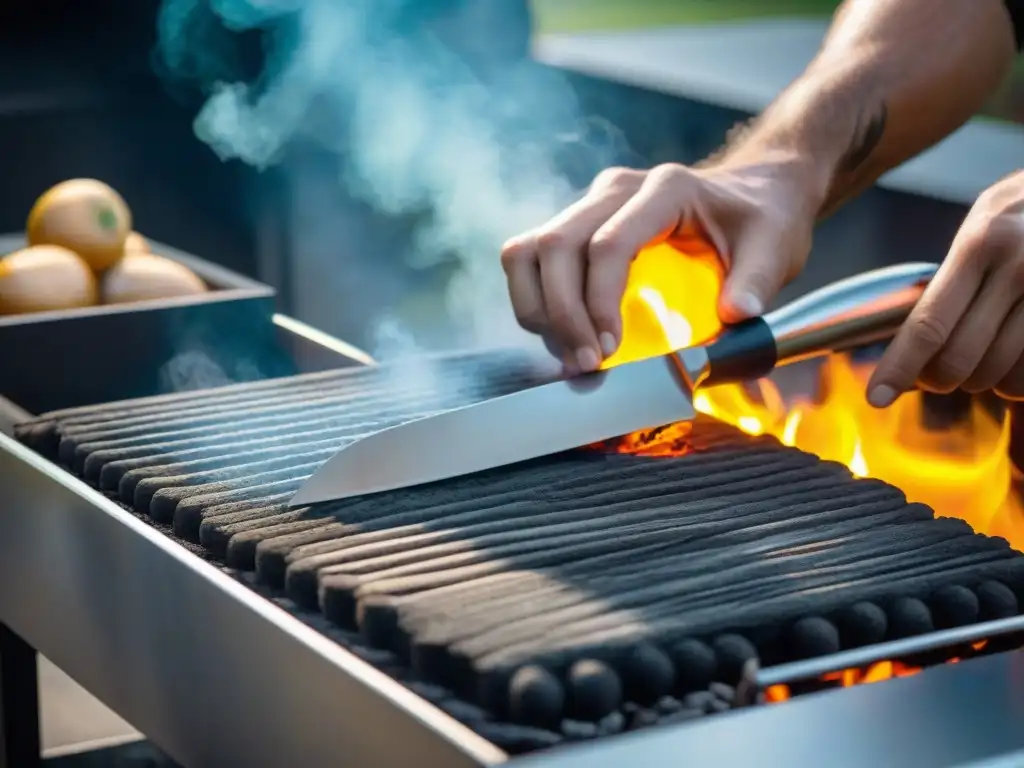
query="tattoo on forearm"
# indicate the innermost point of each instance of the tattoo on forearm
(852, 174)
(869, 132)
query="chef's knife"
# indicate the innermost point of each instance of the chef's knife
(599, 406)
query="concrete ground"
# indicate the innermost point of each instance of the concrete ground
(72, 720)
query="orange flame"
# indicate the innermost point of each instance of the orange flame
(964, 471)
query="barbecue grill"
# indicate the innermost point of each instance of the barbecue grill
(593, 608)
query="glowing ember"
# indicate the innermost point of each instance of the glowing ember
(963, 471)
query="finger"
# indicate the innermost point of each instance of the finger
(1002, 354)
(563, 275)
(1011, 387)
(563, 244)
(649, 215)
(522, 272)
(926, 330)
(972, 336)
(758, 272)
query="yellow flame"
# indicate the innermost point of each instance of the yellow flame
(964, 471)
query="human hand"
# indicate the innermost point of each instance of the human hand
(967, 331)
(567, 277)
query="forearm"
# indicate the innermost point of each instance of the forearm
(892, 78)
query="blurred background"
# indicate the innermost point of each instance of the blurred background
(377, 215)
(580, 16)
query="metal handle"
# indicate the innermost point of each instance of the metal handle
(858, 310)
(854, 311)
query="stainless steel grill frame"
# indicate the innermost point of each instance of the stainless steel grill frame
(215, 675)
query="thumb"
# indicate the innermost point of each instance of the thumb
(758, 270)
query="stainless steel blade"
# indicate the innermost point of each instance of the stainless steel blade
(536, 422)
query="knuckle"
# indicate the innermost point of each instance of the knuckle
(1002, 234)
(616, 178)
(560, 314)
(514, 253)
(952, 368)
(670, 174)
(605, 246)
(550, 242)
(531, 320)
(928, 330)
(602, 312)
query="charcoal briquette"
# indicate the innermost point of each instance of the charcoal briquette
(863, 623)
(535, 697)
(908, 617)
(579, 730)
(612, 723)
(593, 690)
(954, 606)
(996, 601)
(642, 718)
(699, 700)
(813, 636)
(720, 706)
(667, 705)
(377, 618)
(732, 652)
(695, 663)
(647, 673)
(723, 692)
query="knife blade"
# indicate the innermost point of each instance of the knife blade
(650, 393)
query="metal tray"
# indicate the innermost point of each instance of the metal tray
(52, 360)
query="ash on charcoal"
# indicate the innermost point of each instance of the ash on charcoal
(561, 599)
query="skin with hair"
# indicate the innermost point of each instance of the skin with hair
(876, 94)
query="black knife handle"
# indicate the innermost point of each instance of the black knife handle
(848, 313)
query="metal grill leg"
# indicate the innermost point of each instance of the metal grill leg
(19, 703)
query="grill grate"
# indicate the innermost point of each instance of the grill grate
(563, 598)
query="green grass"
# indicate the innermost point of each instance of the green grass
(583, 15)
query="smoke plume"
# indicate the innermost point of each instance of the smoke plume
(416, 124)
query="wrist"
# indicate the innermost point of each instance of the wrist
(820, 135)
(804, 177)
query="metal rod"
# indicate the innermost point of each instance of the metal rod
(895, 649)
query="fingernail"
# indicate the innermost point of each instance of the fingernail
(748, 304)
(882, 396)
(608, 344)
(587, 359)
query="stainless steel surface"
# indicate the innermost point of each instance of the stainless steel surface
(813, 669)
(212, 673)
(569, 414)
(953, 716)
(525, 425)
(849, 312)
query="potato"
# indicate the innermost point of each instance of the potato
(141, 276)
(85, 216)
(45, 277)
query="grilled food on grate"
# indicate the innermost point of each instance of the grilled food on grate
(567, 597)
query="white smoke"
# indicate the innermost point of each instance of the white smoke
(415, 127)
